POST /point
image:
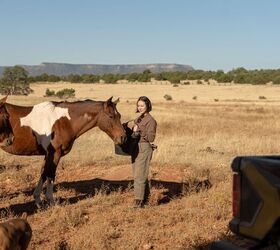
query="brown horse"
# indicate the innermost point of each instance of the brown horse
(50, 129)
(15, 234)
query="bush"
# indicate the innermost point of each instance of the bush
(261, 97)
(167, 97)
(175, 85)
(194, 98)
(49, 92)
(65, 93)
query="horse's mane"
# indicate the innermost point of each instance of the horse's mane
(78, 101)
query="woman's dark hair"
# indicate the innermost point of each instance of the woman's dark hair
(147, 101)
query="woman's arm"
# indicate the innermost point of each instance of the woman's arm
(149, 133)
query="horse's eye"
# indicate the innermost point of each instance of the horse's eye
(111, 116)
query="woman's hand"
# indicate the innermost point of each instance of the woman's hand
(135, 128)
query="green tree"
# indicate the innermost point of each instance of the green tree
(15, 81)
(147, 71)
(74, 78)
(160, 77)
(89, 78)
(110, 78)
(145, 76)
(276, 80)
(132, 77)
(43, 77)
(54, 78)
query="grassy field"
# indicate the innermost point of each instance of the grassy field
(199, 132)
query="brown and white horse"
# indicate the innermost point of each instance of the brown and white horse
(50, 129)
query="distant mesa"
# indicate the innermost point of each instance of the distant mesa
(64, 69)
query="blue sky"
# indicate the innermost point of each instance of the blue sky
(207, 34)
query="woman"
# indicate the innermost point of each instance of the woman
(144, 128)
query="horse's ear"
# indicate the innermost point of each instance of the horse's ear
(3, 100)
(109, 101)
(116, 101)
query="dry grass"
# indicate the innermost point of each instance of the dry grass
(198, 137)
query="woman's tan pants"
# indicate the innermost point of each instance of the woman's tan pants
(140, 170)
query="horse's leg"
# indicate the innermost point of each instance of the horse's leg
(37, 192)
(49, 192)
(50, 171)
(39, 187)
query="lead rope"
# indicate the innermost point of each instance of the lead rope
(128, 121)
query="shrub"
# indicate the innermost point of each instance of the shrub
(65, 93)
(167, 97)
(175, 85)
(49, 92)
(194, 98)
(261, 97)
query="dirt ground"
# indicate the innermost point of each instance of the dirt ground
(190, 176)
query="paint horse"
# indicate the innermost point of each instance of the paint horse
(50, 129)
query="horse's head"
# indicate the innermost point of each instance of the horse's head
(110, 122)
(6, 132)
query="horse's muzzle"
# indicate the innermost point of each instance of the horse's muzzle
(123, 139)
(120, 140)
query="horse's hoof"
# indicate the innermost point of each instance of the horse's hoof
(38, 201)
(39, 205)
(51, 203)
